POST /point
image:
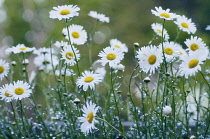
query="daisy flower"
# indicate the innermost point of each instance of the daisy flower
(88, 80)
(181, 50)
(4, 93)
(88, 118)
(165, 14)
(45, 61)
(18, 49)
(191, 63)
(61, 44)
(64, 12)
(171, 50)
(4, 68)
(158, 30)
(207, 27)
(111, 55)
(44, 50)
(77, 34)
(185, 24)
(119, 45)
(63, 71)
(20, 90)
(195, 43)
(150, 58)
(69, 55)
(100, 17)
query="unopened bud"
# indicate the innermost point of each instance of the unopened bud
(147, 79)
(136, 44)
(76, 101)
(167, 110)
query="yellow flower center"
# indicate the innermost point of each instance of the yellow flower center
(65, 12)
(152, 59)
(180, 53)
(166, 15)
(194, 47)
(75, 34)
(89, 79)
(23, 48)
(185, 25)
(90, 117)
(111, 56)
(117, 46)
(168, 51)
(1, 69)
(159, 31)
(7, 94)
(19, 91)
(69, 55)
(193, 63)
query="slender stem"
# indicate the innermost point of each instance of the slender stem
(111, 126)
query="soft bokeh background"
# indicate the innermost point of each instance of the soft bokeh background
(28, 22)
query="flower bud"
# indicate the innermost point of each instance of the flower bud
(167, 110)
(76, 101)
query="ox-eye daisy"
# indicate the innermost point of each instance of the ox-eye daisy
(191, 63)
(111, 55)
(170, 50)
(77, 34)
(64, 12)
(158, 28)
(185, 24)
(20, 90)
(88, 118)
(165, 14)
(70, 55)
(5, 94)
(44, 51)
(195, 43)
(88, 80)
(119, 45)
(60, 44)
(4, 68)
(150, 58)
(100, 17)
(19, 48)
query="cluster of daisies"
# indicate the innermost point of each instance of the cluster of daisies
(150, 57)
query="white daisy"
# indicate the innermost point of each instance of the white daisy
(185, 24)
(88, 80)
(158, 30)
(70, 55)
(195, 43)
(191, 63)
(207, 27)
(110, 55)
(120, 67)
(181, 50)
(88, 118)
(101, 71)
(171, 50)
(45, 61)
(64, 12)
(150, 58)
(4, 93)
(4, 68)
(44, 50)
(119, 45)
(18, 49)
(165, 14)
(61, 44)
(100, 17)
(63, 71)
(20, 90)
(77, 34)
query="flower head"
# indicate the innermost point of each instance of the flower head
(5, 94)
(61, 44)
(170, 50)
(158, 28)
(100, 17)
(191, 63)
(19, 48)
(77, 34)
(4, 68)
(185, 24)
(150, 58)
(88, 118)
(69, 55)
(111, 55)
(165, 14)
(64, 12)
(43, 51)
(119, 45)
(167, 110)
(20, 90)
(88, 80)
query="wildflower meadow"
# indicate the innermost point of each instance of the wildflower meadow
(64, 90)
